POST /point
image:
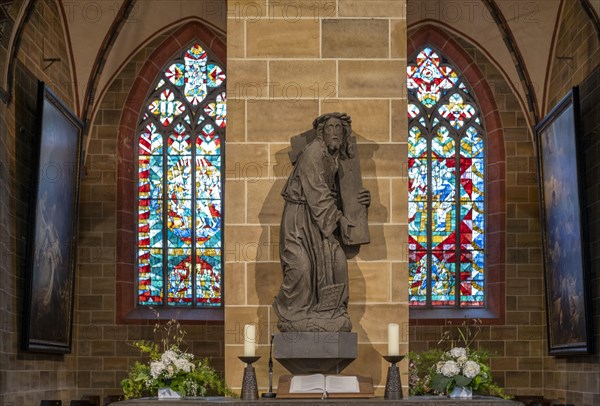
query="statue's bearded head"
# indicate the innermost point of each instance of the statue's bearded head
(333, 134)
(334, 129)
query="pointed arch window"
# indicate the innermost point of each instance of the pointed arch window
(447, 197)
(180, 191)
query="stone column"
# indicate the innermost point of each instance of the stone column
(288, 62)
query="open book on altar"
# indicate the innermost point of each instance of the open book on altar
(319, 385)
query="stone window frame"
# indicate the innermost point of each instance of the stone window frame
(126, 276)
(495, 289)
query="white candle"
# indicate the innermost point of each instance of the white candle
(249, 340)
(393, 339)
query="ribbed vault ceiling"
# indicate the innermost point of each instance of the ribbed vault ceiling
(529, 29)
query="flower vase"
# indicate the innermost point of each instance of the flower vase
(463, 392)
(168, 393)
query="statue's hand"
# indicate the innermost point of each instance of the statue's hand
(345, 226)
(364, 197)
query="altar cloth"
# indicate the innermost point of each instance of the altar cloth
(410, 401)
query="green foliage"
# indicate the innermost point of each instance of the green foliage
(135, 383)
(438, 372)
(419, 366)
(440, 383)
(169, 366)
(148, 347)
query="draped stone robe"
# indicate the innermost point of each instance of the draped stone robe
(311, 256)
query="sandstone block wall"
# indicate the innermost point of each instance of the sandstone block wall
(288, 63)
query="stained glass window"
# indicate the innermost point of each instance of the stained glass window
(446, 187)
(179, 184)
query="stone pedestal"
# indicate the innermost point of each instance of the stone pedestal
(315, 352)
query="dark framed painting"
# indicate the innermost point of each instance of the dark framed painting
(563, 229)
(51, 242)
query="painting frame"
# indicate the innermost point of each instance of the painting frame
(564, 242)
(53, 223)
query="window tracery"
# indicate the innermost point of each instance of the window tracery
(179, 215)
(446, 173)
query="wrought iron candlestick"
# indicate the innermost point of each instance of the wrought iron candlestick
(270, 394)
(249, 386)
(393, 385)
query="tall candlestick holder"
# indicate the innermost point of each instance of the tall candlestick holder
(249, 386)
(270, 394)
(393, 385)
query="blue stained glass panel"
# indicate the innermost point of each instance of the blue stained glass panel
(477, 259)
(468, 179)
(471, 225)
(215, 76)
(176, 74)
(443, 269)
(166, 108)
(211, 110)
(195, 75)
(471, 292)
(443, 180)
(150, 175)
(179, 177)
(189, 90)
(417, 179)
(471, 144)
(180, 141)
(221, 110)
(443, 232)
(442, 146)
(428, 78)
(471, 265)
(179, 277)
(208, 142)
(417, 223)
(472, 282)
(208, 223)
(478, 225)
(179, 223)
(417, 276)
(413, 110)
(444, 109)
(150, 281)
(457, 112)
(150, 223)
(472, 179)
(208, 177)
(151, 141)
(208, 276)
(443, 265)
(477, 174)
(417, 143)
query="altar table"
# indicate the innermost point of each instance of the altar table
(410, 401)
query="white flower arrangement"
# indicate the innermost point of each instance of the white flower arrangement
(439, 372)
(458, 352)
(172, 368)
(171, 363)
(461, 367)
(449, 368)
(471, 369)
